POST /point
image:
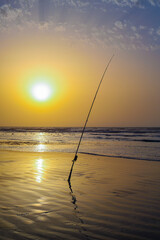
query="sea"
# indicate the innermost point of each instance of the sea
(128, 142)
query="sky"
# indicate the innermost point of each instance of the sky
(64, 46)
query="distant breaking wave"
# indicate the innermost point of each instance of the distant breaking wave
(112, 130)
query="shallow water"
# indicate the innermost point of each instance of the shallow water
(137, 143)
(110, 198)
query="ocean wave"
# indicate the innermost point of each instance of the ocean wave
(146, 140)
(126, 138)
(120, 156)
(107, 130)
(35, 129)
(145, 146)
(19, 142)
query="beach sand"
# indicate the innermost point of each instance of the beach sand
(111, 198)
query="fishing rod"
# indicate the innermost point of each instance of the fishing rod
(76, 156)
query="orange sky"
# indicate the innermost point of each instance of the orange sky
(129, 95)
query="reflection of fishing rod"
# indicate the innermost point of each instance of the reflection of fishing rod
(76, 156)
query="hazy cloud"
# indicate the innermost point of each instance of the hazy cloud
(8, 14)
(134, 28)
(134, 3)
(60, 28)
(158, 31)
(120, 25)
(23, 16)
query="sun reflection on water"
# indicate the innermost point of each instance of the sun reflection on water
(41, 147)
(39, 170)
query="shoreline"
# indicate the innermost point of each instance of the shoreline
(81, 153)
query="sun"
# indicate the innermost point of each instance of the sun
(41, 91)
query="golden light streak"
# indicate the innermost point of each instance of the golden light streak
(39, 169)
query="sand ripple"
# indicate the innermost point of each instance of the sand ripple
(110, 198)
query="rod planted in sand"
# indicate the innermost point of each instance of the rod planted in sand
(76, 156)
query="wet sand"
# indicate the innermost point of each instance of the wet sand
(111, 198)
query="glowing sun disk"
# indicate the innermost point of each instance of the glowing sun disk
(41, 91)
